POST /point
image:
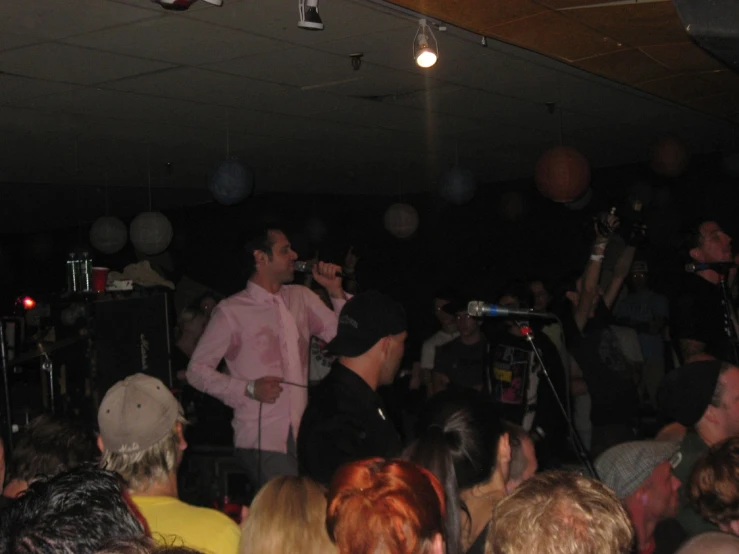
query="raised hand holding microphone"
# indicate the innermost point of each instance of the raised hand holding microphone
(329, 277)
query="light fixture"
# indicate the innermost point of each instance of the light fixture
(424, 51)
(309, 17)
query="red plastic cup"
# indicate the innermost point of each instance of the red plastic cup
(99, 278)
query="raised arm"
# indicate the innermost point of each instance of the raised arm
(620, 272)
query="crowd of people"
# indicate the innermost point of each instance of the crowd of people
(511, 438)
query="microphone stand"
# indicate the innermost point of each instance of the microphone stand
(580, 450)
(729, 314)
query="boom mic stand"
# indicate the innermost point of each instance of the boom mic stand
(729, 314)
(580, 450)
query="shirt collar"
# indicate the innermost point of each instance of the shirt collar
(359, 387)
(260, 294)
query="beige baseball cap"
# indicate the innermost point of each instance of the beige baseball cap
(136, 413)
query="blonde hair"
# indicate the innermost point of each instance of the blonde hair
(156, 463)
(287, 515)
(558, 512)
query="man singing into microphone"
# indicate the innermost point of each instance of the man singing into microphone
(263, 332)
(702, 323)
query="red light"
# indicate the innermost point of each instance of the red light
(29, 303)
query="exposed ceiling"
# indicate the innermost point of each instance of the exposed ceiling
(96, 92)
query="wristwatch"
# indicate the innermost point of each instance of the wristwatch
(250, 389)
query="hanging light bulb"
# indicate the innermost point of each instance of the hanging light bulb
(309, 17)
(425, 47)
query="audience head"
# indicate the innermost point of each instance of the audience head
(713, 542)
(46, 446)
(381, 506)
(270, 255)
(463, 443)
(75, 512)
(467, 326)
(447, 320)
(713, 487)
(372, 326)
(640, 473)
(704, 395)
(556, 512)
(540, 294)
(523, 456)
(639, 275)
(141, 434)
(706, 242)
(287, 515)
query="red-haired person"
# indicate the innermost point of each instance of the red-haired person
(379, 506)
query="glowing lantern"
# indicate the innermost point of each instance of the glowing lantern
(401, 220)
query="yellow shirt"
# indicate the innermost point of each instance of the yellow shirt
(172, 522)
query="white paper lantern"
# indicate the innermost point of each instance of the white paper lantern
(401, 220)
(151, 233)
(458, 186)
(231, 183)
(108, 234)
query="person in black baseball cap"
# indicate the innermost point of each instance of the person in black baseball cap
(345, 419)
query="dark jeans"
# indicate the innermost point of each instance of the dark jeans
(263, 465)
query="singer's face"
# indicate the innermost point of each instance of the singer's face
(281, 267)
(715, 245)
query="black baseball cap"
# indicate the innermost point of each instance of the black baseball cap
(365, 319)
(687, 391)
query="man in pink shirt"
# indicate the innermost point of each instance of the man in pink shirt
(263, 333)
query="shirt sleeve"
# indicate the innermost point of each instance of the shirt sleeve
(322, 321)
(202, 371)
(428, 353)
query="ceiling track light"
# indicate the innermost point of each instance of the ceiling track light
(425, 47)
(309, 17)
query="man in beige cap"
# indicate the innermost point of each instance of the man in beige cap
(141, 438)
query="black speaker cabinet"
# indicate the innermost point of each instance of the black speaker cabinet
(131, 335)
(714, 24)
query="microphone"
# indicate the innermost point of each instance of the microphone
(477, 308)
(307, 267)
(694, 267)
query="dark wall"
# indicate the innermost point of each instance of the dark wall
(475, 247)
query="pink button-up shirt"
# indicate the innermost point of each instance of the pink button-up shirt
(245, 330)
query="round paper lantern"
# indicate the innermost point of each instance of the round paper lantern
(562, 174)
(458, 186)
(108, 234)
(581, 202)
(151, 233)
(231, 182)
(670, 157)
(401, 220)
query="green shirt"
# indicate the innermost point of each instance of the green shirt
(691, 449)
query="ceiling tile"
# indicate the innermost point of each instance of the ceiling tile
(626, 66)
(556, 35)
(70, 64)
(52, 19)
(475, 16)
(177, 40)
(278, 20)
(681, 87)
(21, 89)
(684, 57)
(634, 24)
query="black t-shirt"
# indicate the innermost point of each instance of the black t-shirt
(463, 364)
(519, 387)
(345, 420)
(605, 368)
(699, 314)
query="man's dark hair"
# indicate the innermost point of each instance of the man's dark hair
(47, 446)
(75, 512)
(518, 289)
(262, 241)
(692, 237)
